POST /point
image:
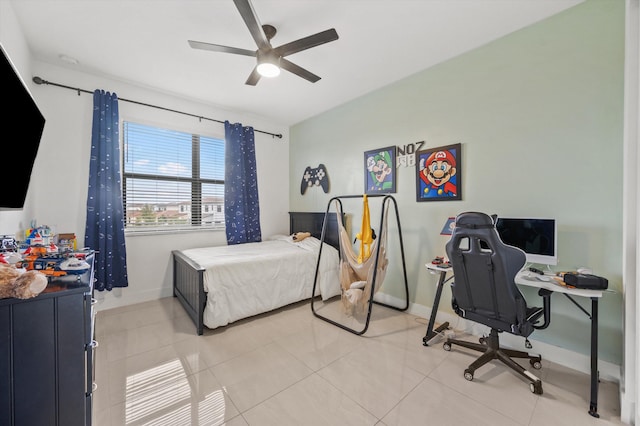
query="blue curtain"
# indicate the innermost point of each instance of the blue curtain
(104, 231)
(241, 208)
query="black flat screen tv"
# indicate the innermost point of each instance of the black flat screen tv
(22, 124)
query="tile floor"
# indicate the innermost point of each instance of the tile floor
(291, 368)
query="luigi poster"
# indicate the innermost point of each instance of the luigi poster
(380, 170)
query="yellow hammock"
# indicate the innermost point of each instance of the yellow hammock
(366, 234)
(357, 270)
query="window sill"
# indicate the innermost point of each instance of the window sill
(158, 232)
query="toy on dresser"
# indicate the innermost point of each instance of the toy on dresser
(20, 283)
(41, 236)
(40, 253)
(14, 280)
(54, 264)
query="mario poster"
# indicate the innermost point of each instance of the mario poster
(380, 170)
(438, 174)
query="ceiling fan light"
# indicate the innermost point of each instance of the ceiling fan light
(268, 64)
(267, 69)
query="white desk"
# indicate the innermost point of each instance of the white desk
(569, 292)
(522, 279)
(431, 333)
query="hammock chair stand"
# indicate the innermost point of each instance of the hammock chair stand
(385, 202)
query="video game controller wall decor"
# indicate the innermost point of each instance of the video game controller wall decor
(315, 177)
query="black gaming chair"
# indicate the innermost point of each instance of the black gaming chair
(484, 291)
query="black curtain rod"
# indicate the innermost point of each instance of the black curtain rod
(39, 80)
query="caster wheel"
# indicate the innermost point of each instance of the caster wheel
(536, 388)
(446, 347)
(535, 364)
(468, 375)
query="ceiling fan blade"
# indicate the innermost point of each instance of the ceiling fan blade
(251, 20)
(219, 48)
(307, 42)
(299, 71)
(254, 77)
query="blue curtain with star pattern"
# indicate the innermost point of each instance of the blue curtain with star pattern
(241, 207)
(104, 230)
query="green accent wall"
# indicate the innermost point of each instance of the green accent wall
(539, 114)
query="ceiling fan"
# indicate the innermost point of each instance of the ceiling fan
(269, 59)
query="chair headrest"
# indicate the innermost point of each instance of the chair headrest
(474, 220)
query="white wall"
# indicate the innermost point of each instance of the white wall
(64, 154)
(58, 188)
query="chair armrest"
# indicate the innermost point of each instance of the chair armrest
(546, 308)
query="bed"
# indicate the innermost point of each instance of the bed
(223, 284)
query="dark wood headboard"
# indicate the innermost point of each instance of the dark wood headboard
(312, 222)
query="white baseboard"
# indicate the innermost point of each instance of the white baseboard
(570, 359)
(119, 297)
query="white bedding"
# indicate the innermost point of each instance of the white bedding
(248, 279)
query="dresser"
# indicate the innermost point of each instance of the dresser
(46, 355)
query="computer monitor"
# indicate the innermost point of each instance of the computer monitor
(537, 237)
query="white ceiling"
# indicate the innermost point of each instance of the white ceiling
(381, 41)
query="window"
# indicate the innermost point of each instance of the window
(169, 177)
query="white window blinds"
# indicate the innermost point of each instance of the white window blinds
(171, 180)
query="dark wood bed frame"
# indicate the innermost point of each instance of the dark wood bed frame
(188, 276)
